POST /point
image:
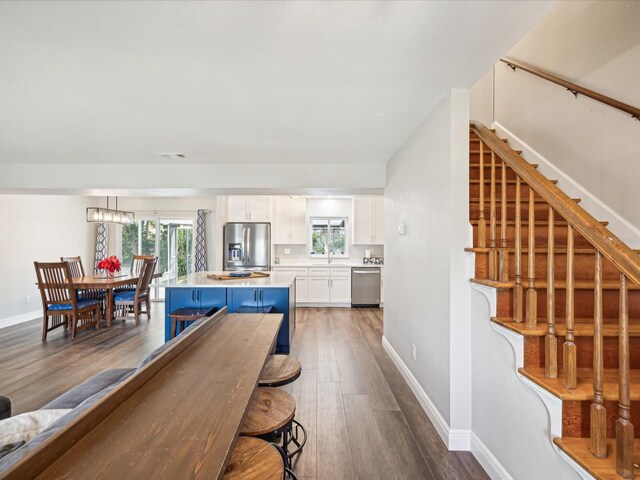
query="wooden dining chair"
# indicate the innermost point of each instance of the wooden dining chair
(60, 301)
(137, 263)
(77, 270)
(125, 300)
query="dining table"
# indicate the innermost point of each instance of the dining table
(101, 281)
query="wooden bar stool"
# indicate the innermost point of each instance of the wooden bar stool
(280, 370)
(254, 459)
(182, 316)
(271, 414)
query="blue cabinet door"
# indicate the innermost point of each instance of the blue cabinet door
(242, 297)
(176, 298)
(278, 301)
(211, 297)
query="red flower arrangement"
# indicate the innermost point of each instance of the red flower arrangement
(110, 264)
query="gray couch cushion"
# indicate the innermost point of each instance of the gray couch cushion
(90, 387)
(8, 461)
(10, 447)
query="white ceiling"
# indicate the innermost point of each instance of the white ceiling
(236, 82)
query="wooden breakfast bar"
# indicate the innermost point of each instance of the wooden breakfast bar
(177, 417)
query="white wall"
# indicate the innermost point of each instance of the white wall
(508, 416)
(426, 273)
(38, 228)
(595, 44)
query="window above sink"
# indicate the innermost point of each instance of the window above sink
(328, 237)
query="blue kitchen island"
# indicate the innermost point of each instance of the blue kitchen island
(273, 294)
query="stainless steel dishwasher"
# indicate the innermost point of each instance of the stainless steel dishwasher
(365, 286)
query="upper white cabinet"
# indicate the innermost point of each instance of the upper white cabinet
(290, 220)
(248, 208)
(368, 220)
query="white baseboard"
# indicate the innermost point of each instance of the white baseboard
(24, 317)
(323, 305)
(453, 439)
(486, 459)
(618, 225)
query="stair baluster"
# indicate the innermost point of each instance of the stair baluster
(532, 295)
(598, 411)
(504, 256)
(624, 427)
(550, 340)
(569, 351)
(517, 290)
(482, 223)
(492, 221)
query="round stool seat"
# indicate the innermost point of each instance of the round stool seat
(254, 459)
(280, 370)
(270, 409)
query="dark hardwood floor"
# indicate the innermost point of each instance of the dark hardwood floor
(362, 419)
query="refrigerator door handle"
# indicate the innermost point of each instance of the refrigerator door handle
(247, 245)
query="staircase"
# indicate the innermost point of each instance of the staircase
(557, 276)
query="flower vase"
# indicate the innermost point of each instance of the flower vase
(110, 273)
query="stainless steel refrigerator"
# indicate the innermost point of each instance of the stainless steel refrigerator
(247, 246)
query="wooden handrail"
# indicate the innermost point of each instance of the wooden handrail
(574, 88)
(611, 247)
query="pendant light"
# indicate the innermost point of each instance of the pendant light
(109, 215)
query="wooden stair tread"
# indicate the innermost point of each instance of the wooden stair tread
(584, 390)
(602, 468)
(509, 182)
(583, 327)
(280, 368)
(559, 284)
(254, 459)
(270, 409)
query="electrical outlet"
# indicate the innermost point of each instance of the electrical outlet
(27, 299)
(287, 251)
(413, 352)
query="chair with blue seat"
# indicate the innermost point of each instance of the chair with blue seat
(77, 270)
(127, 299)
(60, 301)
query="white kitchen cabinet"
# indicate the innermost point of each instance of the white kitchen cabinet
(290, 220)
(299, 221)
(319, 289)
(302, 282)
(248, 208)
(340, 290)
(302, 289)
(237, 208)
(378, 220)
(368, 220)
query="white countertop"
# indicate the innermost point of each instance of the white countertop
(321, 265)
(200, 279)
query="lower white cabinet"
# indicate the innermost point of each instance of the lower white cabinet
(319, 290)
(302, 289)
(329, 290)
(321, 284)
(340, 290)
